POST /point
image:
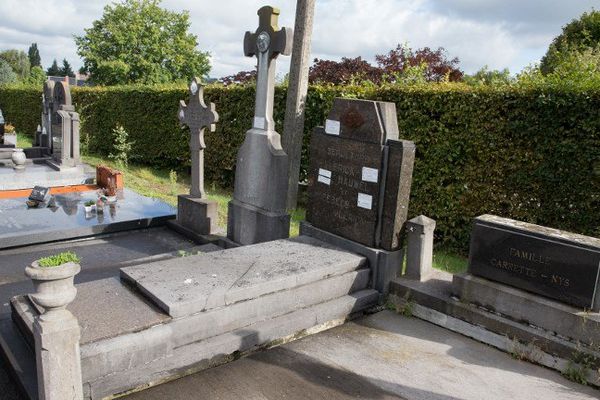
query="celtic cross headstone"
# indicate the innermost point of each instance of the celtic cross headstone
(197, 116)
(257, 212)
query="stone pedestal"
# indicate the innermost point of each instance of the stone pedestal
(198, 215)
(56, 332)
(247, 224)
(258, 211)
(419, 253)
(56, 336)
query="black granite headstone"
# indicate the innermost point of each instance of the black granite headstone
(360, 174)
(1, 128)
(557, 264)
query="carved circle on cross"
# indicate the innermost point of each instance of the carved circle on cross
(263, 41)
(194, 88)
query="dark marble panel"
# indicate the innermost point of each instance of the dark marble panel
(340, 200)
(556, 264)
(400, 161)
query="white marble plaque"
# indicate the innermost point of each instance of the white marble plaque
(370, 174)
(365, 201)
(324, 176)
(332, 127)
(325, 172)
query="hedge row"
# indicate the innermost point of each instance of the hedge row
(531, 154)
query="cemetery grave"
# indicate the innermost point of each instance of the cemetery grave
(160, 317)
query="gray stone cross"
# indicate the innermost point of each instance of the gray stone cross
(266, 44)
(197, 116)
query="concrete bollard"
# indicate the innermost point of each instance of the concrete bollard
(56, 332)
(419, 253)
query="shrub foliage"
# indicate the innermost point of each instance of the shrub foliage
(529, 152)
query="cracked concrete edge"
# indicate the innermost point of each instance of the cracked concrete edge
(529, 352)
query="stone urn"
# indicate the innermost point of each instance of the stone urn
(19, 158)
(54, 288)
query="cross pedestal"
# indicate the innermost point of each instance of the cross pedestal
(195, 213)
(257, 212)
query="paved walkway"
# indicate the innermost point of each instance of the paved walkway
(383, 356)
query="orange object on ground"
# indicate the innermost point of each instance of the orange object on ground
(109, 178)
(12, 194)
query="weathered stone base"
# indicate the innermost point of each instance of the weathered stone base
(435, 301)
(386, 265)
(217, 307)
(198, 215)
(247, 224)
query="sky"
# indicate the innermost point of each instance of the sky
(497, 33)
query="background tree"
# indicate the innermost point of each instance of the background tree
(241, 78)
(7, 75)
(54, 70)
(578, 35)
(66, 69)
(343, 72)
(37, 76)
(34, 56)
(18, 61)
(438, 66)
(486, 76)
(137, 41)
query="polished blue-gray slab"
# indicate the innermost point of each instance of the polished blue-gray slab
(68, 220)
(40, 174)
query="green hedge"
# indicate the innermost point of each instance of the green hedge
(527, 153)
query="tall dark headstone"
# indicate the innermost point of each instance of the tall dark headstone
(258, 211)
(64, 129)
(1, 128)
(360, 174)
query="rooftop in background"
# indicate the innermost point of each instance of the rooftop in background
(78, 80)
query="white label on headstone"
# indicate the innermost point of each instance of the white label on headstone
(365, 201)
(259, 122)
(332, 127)
(325, 172)
(324, 176)
(370, 174)
(324, 179)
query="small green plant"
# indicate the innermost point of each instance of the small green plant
(89, 203)
(58, 259)
(121, 146)
(173, 181)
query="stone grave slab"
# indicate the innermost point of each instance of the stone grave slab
(198, 283)
(560, 265)
(42, 175)
(22, 226)
(121, 310)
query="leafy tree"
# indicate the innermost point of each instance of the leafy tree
(66, 69)
(578, 35)
(343, 72)
(34, 56)
(400, 65)
(486, 76)
(37, 76)
(54, 70)
(240, 78)
(18, 61)
(137, 41)
(438, 66)
(7, 75)
(571, 69)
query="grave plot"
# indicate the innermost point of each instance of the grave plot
(529, 289)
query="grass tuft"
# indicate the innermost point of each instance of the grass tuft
(58, 259)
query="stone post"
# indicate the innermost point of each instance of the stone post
(56, 332)
(419, 253)
(293, 126)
